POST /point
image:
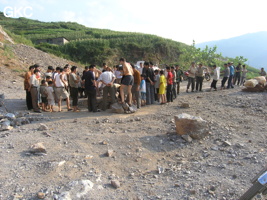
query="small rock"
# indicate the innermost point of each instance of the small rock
(137, 119)
(6, 127)
(64, 196)
(104, 142)
(41, 195)
(117, 108)
(10, 116)
(227, 143)
(42, 127)
(161, 170)
(46, 134)
(115, 183)
(184, 105)
(211, 192)
(109, 153)
(38, 148)
(212, 188)
(187, 138)
(176, 185)
(192, 192)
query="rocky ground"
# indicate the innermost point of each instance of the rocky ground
(104, 155)
(134, 156)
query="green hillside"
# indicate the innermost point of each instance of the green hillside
(91, 45)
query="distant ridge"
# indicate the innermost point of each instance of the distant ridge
(252, 46)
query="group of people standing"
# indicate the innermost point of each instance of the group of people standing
(125, 83)
(231, 75)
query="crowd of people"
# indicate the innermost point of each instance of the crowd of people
(125, 83)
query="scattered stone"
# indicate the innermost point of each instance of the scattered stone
(195, 127)
(43, 127)
(161, 170)
(115, 183)
(137, 119)
(109, 153)
(117, 108)
(46, 134)
(37, 148)
(88, 157)
(227, 143)
(6, 125)
(211, 192)
(61, 163)
(41, 195)
(187, 138)
(176, 185)
(212, 188)
(64, 196)
(21, 121)
(105, 142)
(192, 192)
(184, 105)
(10, 116)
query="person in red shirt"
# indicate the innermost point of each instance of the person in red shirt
(169, 85)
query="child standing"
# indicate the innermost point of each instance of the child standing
(43, 93)
(216, 76)
(162, 87)
(143, 90)
(50, 96)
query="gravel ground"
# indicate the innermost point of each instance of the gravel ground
(135, 156)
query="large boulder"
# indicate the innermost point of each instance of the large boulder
(195, 127)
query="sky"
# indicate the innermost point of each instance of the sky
(179, 20)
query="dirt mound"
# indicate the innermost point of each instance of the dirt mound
(29, 55)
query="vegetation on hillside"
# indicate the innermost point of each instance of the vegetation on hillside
(91, 45)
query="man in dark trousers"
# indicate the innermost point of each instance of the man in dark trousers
(90, 87)
(169, 93)
(150, 92)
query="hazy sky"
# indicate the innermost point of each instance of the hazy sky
(180, 20)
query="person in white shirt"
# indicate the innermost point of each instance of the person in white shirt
(60, 90)
(244, 74)
(107, 79)
(216, 77)
(191, 77)
(34, 89)
(50, 96)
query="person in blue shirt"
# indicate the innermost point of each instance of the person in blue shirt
(232, 72)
